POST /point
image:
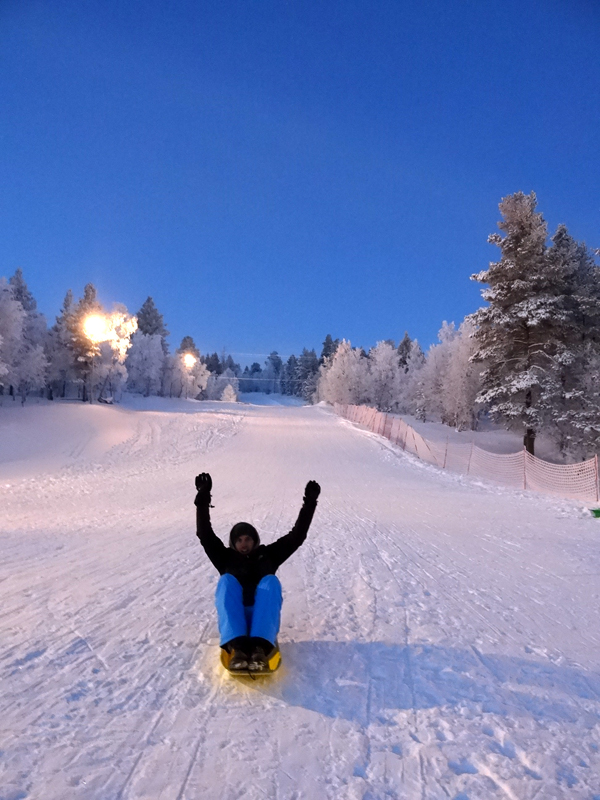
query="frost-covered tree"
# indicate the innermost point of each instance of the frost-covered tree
(404, 351)
(573, 418)
(30, 365)
(385, 377)
(84, 350)
(330, 345)
(272, 373)
(185, 380)
(12, 316)
(411, 395)
(3, 366)
(145, 363)
(58, 351)
(21, 291)
(307, 374)
(344, 376)
(189, 346)
(109, 373)
(289, 377)
(229, 394)
(216, 384)
(186, 374)
(461, 380)
(213, 363)
(251, 378)
(428, 396)
(227, 362)
(518, 335)
(151, 323)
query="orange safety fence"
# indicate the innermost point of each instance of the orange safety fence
(518, 470)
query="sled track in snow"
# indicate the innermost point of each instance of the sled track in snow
(438, 637)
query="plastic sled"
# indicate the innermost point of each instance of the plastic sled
(274, 659)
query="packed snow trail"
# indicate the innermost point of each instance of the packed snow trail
(440, 637)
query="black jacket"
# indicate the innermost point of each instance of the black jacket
(263, 560)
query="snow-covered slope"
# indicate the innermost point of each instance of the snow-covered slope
(440, 637)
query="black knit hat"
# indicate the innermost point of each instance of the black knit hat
(243, 529)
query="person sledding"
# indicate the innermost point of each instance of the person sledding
(248, 596)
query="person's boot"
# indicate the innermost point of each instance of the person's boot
(238, 660)
(238, 649)
(259, 660)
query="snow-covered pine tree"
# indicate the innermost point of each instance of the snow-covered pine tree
(272, 373)
(519, 335)
(307, 374)
(289, 379)
(3, 367)
(31, 365)
(12, 316)
(227, 362)
(21, 291)
(83, 349)
(575, 416)
(256, 376)
(151, 322)
(189, 346)
(213, 363)
(330, 345)
(59, 352)
(404, 351)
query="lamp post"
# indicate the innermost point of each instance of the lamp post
(95, 328)
(189, 359)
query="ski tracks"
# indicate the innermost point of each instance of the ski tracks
(418, 652)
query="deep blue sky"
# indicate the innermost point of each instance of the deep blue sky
(273, 171)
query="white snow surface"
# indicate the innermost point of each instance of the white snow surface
(440, 636)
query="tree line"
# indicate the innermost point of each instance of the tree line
(529, 358)
(92, 353)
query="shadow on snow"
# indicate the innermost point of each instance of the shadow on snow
(367, 682)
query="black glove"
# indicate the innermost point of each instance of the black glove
(204, 486)
(312, 491)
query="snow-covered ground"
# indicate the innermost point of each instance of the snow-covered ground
(488, 436)
(440, 637)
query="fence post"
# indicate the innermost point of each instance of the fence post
(445, 453)
(597, 487)
(524, 467)
(470, 456)
(412, 430)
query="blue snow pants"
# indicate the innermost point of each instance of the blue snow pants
(235, 619)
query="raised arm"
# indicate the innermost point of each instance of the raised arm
(283, 548)
(213, 546)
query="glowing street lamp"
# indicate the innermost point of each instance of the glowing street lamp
(95, 328)
(189, 359)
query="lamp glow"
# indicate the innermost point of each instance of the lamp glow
(95, 328)
(189, 360)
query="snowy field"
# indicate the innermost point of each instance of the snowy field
(440, 637)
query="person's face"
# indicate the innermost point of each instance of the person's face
(244, 544)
